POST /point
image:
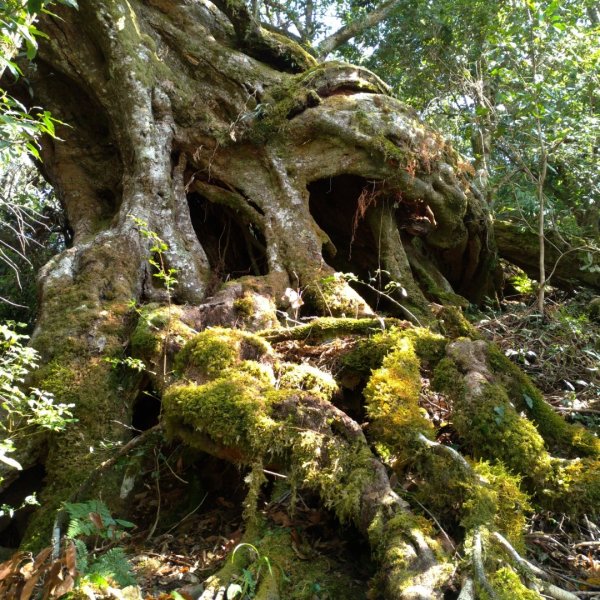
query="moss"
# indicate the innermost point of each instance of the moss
(213, 350)
(390, 541)
(430, 347)
(228, 409)
(574, 487)
(300, 92)
(493, 429)
(101, 400)
(146, 339)
(453, 323)
(295, 56)
(330, 327)
(495, 501)
(244, 307)
(341, 480)
(333, 295)
(559, 434)
(368, 354)
(448, 379)
(392, 402)
(306, 378)
(508, 586)
(594, 309)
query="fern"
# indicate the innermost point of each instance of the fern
(93, 518)
(113, 565)
(82, 556)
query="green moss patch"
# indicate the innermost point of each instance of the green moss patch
(303, 377)
(392, 402)
(560, 435)
(210, 352)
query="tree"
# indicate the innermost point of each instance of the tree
(514, 84)
(246, 171)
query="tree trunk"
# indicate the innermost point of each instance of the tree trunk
(567, 266)
(262, 171)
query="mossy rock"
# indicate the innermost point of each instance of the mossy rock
(156, 325)
(593, 309)
(208, 353)
(562, 437)
(305, 378)
(232, 410)
(368, 354)
(507, 585)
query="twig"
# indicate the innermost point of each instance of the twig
(478, 568)
(585, 544)
(591, 411)
(158, 498)
(531, 571)
(467, 591)
(188, 515)
(442, 531)
(456, 456)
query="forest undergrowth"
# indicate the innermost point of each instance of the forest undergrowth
(562, 356)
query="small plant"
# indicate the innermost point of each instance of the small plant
(55, 572)
(245, 585)
(162, 272)
(103, 564)
(136, 364)
(24, 412)
(157, 259)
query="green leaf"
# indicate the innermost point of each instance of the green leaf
(34, 6)
(528, 400)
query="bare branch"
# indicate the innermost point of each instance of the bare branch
(533, 571)
(356, 27)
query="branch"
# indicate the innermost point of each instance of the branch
(280, 31)
(478, 567)
(532, 571)
(293, 19)
(356, 27)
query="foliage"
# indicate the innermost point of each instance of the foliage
(92, 519)
(517, 73)
(32, 230)
(19, 127)
(24, 413)
(157, 259)
(104, 569)
(56, 571)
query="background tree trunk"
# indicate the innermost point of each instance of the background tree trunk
(566, 265)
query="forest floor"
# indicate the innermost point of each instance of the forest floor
(562, 356)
